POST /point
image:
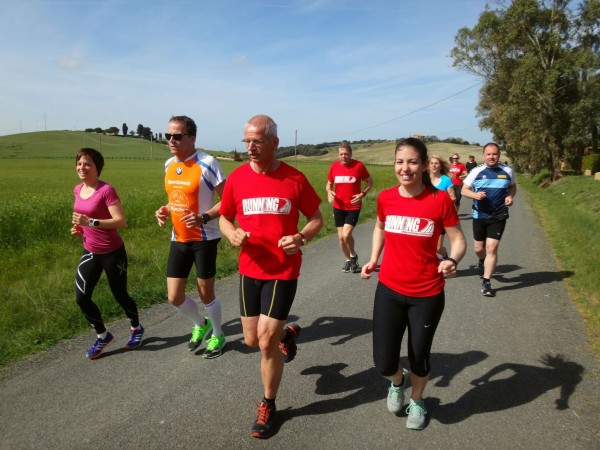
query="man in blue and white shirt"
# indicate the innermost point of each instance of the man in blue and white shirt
(492, 186)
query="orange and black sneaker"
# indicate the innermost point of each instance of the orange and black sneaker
(265, 420)
(288, 344)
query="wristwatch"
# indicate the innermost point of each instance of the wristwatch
(94, 223)
(205, 218)
(303, 238)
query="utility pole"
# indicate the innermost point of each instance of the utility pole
(295, 145)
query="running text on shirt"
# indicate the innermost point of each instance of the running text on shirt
(266, 205)
(412, 226)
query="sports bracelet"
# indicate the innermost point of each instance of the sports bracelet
(453, 261)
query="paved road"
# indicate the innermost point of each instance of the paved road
(540, 385)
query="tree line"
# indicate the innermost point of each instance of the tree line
(540, 65)
(142, 132)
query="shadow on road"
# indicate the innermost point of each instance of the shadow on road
(520, 384)
(529, 279)
(368, 385)
(346, 328)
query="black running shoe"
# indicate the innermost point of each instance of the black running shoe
(265, 420)
(354, 267)
(486, 289)
(346, 267)
(480, 269)
(288, 344)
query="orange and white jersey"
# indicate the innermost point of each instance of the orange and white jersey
(190, 185)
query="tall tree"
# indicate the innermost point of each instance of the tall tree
(528, 52)
(124, 128)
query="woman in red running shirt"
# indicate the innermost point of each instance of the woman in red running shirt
(410, 292)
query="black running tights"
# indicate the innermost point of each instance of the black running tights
(88, 273)
(393, 313)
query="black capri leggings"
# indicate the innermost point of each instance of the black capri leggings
(392, 314)
(89, 270)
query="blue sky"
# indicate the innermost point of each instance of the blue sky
(326, 69)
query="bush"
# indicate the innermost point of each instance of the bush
(591, 162)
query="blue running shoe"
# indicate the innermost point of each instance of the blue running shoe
(486, 289)
(96, 350)
(136, 338)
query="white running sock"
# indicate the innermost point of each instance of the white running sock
(189, 308)
(213, 311)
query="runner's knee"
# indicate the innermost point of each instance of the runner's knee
(420, 366)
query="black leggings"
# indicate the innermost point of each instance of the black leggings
(392, 314)
(88, 273)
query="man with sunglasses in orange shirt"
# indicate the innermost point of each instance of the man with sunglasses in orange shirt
(192, 178)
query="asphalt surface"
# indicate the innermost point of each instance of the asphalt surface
(514, 371)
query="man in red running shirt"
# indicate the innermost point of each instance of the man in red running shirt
(344, 192)
(266, 197)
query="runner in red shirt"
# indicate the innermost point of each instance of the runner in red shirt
(410, 292)
(344, 192)
(266, 197)
(458, 172)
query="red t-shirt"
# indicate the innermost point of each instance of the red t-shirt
(412, 228)
(455, 170)
(268, 207)
(347, 182)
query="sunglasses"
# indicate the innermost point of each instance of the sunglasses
(177, 137)
(455, 158)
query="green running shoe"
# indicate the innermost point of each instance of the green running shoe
(214, 346)
(198, 334)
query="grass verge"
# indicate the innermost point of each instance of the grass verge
(570, 213)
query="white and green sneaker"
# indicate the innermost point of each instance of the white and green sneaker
(198, 334)
(395, 398)
(416, 415)
(214, 346)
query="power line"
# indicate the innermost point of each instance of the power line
(405, 115)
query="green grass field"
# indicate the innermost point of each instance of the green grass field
(39, 256)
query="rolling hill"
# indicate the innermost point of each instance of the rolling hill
(64, 144)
